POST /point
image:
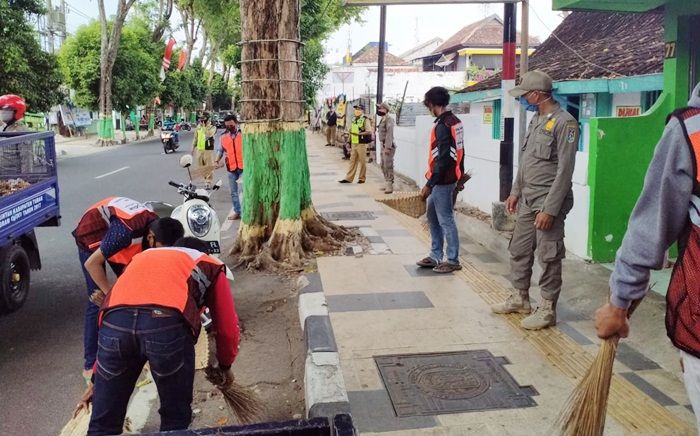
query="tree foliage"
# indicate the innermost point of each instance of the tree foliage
(25, 69)
(135, 78)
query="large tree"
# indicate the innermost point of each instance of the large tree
(25, 69)
(280, 226)
(110, 34)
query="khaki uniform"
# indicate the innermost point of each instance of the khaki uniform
(358, 155)
(385, 134)
(543, 184)
(205, 156)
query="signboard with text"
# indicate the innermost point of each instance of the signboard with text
(488, 114)
(628, 111)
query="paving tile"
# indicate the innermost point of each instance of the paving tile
(486, 257)
(666, 382)
(375, 239)
(394, 232)
(416, 271)
(633, 359)
(315, 284)
(372, 412)
(648, 389)
(574, 334)
(378, 301)
(332, 205)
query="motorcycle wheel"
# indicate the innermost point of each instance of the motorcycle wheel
(165, 148)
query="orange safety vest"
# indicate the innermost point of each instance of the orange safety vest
(456, 149)
(95, 222)
(683, 296)
(172, 277)
(234, 151)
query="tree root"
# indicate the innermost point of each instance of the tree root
(105, 142)
(291, 243)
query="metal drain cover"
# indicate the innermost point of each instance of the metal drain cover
(440, 383)
(349, 216)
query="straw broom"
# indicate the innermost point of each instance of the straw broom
(242, 401)
(585, 409)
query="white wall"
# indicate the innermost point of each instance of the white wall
(625, 99)
(482, 160)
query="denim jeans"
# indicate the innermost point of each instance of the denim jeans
(91, 310)
(130, 337)
(440, 211)
(233, 177)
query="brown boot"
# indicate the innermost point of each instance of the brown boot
(517, 302)
(545, 315)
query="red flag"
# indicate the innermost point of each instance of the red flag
(182, 60)
(168, 53)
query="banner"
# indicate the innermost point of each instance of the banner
(168, 54)
(183, 59)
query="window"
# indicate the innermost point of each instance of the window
(649, 98)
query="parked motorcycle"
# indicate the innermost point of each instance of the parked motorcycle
(170, 140)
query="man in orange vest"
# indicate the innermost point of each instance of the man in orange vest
(110, 231)
(445, 168)
(153, 315)
(232, 148)
(667, 211)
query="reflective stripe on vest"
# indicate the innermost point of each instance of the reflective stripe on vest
(456, 150)
(173, 277)
(94, 224)
(683, 296)
(234, 151)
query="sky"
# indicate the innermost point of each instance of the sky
(407, 26)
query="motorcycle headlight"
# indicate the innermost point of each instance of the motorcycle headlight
(199, 220)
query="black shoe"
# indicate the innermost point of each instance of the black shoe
(344, 181)
(359, 182)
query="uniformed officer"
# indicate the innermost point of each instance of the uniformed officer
(542, 197)
(385, 133)
(360, 135)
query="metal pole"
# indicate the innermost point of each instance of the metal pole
(506, 155)
(382, 50)
(50, 25)
(524, 59)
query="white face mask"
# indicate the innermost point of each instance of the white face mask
(7, 115)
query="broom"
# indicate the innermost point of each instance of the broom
(585, 409)
(242, 401)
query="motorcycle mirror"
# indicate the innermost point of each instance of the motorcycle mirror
(217, 185)
(186, 161)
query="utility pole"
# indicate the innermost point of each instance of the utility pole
(524, 59)
(62, 21)
(50, 25)
(508, 83)
(382, 52)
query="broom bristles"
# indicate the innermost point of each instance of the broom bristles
(585, 409)
(243, 402)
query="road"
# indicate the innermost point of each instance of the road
(41, 345)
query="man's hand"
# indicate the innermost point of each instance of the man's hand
(611, 321)
(85, 400)
(543, 221)
(512, 204)
(425, 192)
(228, 378)
(97, 297)
(218, 165)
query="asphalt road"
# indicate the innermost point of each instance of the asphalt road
(41, 345)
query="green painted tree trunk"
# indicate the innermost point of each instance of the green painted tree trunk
(280, 227)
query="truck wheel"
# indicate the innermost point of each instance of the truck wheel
(15, 278)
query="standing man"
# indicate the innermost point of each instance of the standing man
(232, 147)
(542, 197)
(203, 145)
(153, 315)
(385, 133)
(331, 129)
(666, 212)
(445, 167)
(111, 231)
(360, 135)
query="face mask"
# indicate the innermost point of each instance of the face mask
(7, 115)
(232, 129)
(381, 113)
(528, 107)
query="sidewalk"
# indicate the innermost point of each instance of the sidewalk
(84, 145)
(388, 315)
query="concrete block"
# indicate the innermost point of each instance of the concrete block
(323, 380)
(500, 219)
(312, 304)
(318, 334)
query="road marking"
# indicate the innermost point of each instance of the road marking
(112, 172)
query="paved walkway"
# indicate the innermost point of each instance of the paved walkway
(382, 307)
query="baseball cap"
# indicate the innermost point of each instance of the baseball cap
(359, 106)
(532, 81)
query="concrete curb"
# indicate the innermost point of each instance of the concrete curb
(324, 386)
(482, 233)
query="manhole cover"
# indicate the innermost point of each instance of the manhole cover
(440, 383)
(349, 216)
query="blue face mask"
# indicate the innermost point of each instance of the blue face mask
(527, 106)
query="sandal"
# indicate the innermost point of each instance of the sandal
(446, 267)
(427, 262)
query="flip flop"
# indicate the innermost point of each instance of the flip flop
(427, 262)
(446, 268)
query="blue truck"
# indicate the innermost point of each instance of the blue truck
(28, 199)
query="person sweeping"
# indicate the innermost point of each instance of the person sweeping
(667, 211)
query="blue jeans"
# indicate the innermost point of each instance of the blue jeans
(233, 177)
(91, 310)
(440, 211)
(130, 337)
